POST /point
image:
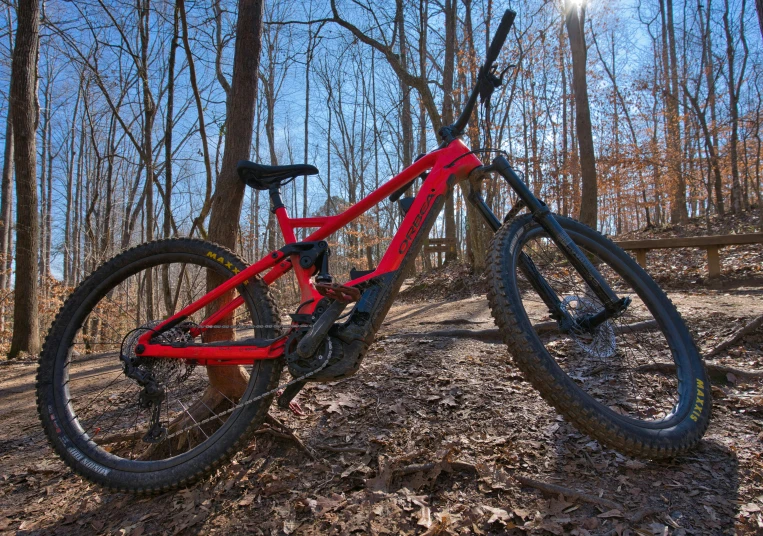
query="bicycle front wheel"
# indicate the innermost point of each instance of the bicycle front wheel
(635, 383)
(107, 426)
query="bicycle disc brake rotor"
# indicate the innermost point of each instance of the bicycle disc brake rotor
(601, 344)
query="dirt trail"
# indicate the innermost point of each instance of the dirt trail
(430, 433)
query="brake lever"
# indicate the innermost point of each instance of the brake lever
(491, 81)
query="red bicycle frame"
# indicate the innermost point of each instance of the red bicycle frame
(446, 166)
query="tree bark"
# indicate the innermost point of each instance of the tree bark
(678, 212)
(478, 233)
(589, 194)
(229, 190)
(451, 16)
(198, 223)
(6, 204)
(734, 91)
(167, 223)
(6, 214)
(25, 110)
(144, 11)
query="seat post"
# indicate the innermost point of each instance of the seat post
(275, 199)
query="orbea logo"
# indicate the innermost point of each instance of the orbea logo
(411, 234)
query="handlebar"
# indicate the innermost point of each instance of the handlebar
(499, 39)
(483, 77)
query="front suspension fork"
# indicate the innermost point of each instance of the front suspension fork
(613, 305)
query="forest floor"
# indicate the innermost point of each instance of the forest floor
(434, 435)
(431, 436)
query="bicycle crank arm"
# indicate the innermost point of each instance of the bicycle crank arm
(310, 343)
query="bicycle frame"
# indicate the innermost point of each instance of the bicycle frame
(446, 165)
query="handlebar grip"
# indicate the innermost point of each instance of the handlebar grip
(500, 37)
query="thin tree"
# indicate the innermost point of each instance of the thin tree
(735, 86)
(576, 35)
(25, 109)
(6, 201)
(229, 190)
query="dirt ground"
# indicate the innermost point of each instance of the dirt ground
(433, 435)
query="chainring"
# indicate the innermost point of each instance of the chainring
(299, 366)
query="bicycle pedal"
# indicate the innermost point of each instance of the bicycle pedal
(338, 292)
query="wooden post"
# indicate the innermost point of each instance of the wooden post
(713, 261)
(641, 257)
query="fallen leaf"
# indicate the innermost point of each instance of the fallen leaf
(611, 513)
(498, 515)
(28, 525)
(425, 517)
(449, 401)
(521, 513)
(750, 508)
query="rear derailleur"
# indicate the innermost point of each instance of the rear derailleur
(151, 396)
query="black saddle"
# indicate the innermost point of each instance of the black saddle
(262, 177)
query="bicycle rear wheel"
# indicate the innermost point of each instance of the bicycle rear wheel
(635, 383)
(99, 420)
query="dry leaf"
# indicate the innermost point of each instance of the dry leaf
(521, 513)
(425, 517)
(498, 515)
(750, 508)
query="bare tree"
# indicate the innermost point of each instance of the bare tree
(734, 85)
(25, 110)
(199, 221)
(6, 201)
(576, 34)
(229, 190)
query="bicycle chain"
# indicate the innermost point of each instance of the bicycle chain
(259, 397)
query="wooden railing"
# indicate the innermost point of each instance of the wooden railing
(711, 244)
(439, 246)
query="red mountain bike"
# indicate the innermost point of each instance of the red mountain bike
(147, 381)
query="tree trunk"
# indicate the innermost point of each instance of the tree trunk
(44, 139)
(167, 223)
(678, 212)
(25, 110)
(451, 16)
(734, 89)
(6, 204)
(710, 77)
(406, 114)
(589, 194)
(308, 61)
(144, 11)
(199, 221)
(229, 190)
(6, 214)
(478, 233)
(423, 25)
